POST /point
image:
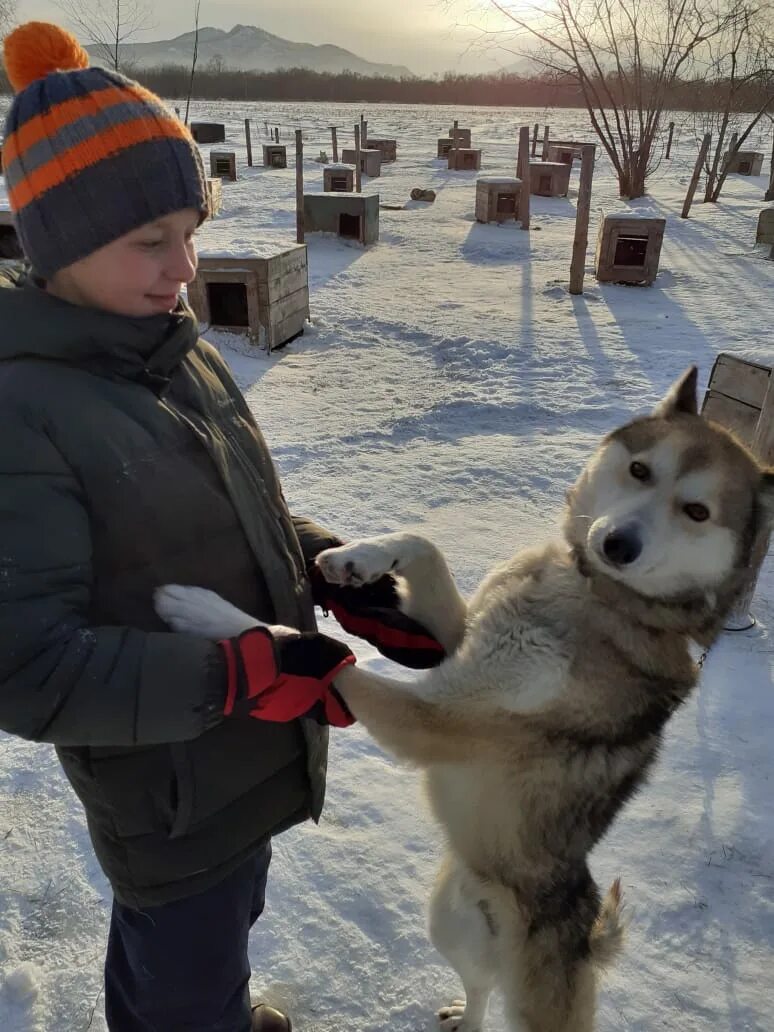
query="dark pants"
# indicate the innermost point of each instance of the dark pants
(183, 967)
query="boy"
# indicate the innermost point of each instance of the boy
(129, 459)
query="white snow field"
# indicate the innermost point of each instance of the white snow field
(449, 383)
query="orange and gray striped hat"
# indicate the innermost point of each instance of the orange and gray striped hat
(89, 155)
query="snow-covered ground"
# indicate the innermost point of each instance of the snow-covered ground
(449, 383)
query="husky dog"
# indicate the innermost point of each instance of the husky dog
(548, 713)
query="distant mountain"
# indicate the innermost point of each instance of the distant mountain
(247, 48)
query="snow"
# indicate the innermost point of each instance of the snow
(450, 384)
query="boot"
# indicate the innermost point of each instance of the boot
(267, 1019)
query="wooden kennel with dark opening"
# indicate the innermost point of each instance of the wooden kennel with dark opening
(629, 249)
(350, 216)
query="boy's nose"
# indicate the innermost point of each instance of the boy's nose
(182, 265)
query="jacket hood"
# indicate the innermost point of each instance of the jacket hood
(38, 325)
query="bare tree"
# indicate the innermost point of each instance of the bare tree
(741, 76)
(625, 57)
(197, 6)
(108, 24)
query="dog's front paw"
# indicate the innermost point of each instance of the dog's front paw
(200, 611)
(452, 1019)
(361, 562)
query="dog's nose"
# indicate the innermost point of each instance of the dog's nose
(622, 546)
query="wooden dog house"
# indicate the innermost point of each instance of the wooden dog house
(275, 155)
(549, 178)
(445, 144)
(352, 216)
(265, 297)
(208, 132)
(462, 136)
(740, 397)
(628, 249)
(387, 148)
(745, 163)
(464, 159)
(566, 151)
(370, 161)
(339, 178)
(223, 165)
(497, 198)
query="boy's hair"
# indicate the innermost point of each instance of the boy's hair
(89, 155)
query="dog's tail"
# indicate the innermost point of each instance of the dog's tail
(607, 932)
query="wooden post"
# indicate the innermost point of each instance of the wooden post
(581, 241)
(358, 169)
(524, 197)
(546, 136)
(535, 138)
(669, 140)
(249, 142)
(276, 134)
(364, 135)
(769, 195)
(335, 143)
(300, 186)
(705, 146)
(455, 143)
(266, 130)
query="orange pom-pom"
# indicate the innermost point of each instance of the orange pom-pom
(36, 49)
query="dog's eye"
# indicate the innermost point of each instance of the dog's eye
(639, 471)
(697, 512)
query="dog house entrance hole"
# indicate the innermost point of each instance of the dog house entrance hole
(9, 243)
(349, 226)
(469, 160)
(506, 204)
(339, 184)
(222, 167)
(630, 250)
(745, 167)
(566, 157)
(545, 184)
(228, 304)
(277, 159)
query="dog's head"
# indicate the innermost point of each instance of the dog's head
(671, 504)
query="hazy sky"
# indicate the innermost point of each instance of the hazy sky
(425, 35)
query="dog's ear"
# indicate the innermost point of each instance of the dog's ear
(681, 396)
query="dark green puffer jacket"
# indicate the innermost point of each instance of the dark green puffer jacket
(129, 459)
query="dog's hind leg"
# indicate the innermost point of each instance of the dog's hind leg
(464, 928)
(429, 593)
(549, 991)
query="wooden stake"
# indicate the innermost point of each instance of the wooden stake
(535, 138)
(546, 136)
(730, 152)
(276, 134)
(364, 135)
(455, 144)
(300, 228)
(358, 169)
(669, 140)
(769, 195)
(524, 197)
(249, 142)
(581, 241)
(705, 146)
(335, 143)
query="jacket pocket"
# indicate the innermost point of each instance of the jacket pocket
(140, 789)
(184, 789)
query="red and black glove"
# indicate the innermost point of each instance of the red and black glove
(373, 612)
(280, 677)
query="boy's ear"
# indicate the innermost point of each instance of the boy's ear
(681, 396)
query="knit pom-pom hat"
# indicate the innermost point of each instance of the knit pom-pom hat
(89, 155)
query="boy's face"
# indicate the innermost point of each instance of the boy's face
(139, 274)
